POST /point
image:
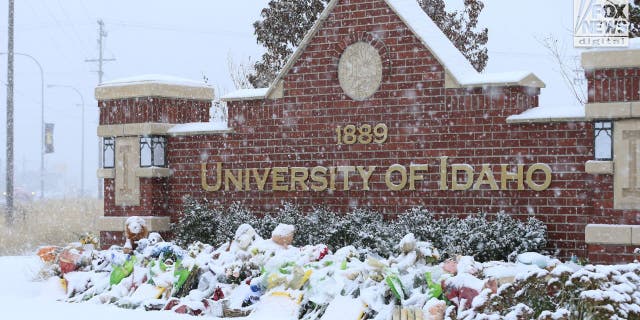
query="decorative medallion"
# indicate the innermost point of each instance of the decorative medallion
(360, 71)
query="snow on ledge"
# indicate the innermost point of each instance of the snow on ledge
(246, 94)
(549, 114)
(155, 79)
(195, 128)
(450, 57)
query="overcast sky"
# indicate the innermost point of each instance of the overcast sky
(192, 39)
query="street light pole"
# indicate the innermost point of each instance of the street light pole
(10, 79)
(41, 119)
(81, 135)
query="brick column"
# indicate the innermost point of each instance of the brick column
(614, 95)
(130, 110)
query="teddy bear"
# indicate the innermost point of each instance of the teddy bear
(135, 229)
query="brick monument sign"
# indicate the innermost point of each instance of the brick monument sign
(378, 109)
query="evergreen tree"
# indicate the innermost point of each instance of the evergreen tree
(634, 19)
(285, 22)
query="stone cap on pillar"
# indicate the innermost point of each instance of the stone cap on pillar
(613, 58)
(154, 85)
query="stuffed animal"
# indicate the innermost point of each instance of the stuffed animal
(135, 229)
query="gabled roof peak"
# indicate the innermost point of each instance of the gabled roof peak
(409, 11)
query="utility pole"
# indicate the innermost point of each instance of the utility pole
(100, 60)
(10, 80)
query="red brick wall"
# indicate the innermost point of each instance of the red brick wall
(425, 121)
(153, 109)
(611, 254)
(613, 85)
(153, 199)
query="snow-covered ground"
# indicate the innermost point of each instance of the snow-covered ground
(23, 298)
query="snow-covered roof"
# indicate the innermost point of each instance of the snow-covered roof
(154, 78)
(549, 114)
(199, 128)
(154, 85)
(431, 36)
(246, 94)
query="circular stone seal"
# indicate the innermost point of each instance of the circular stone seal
(360, 71)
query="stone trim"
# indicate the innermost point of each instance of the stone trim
(626, 144)
(610, 59)
(484, 80)
(109, 173)
(450, 81)
(278, 92)
(134, 129)
(153, 172)
(635, 235)
(545, 120)
(201, 132)
(598, 167)
(612, 110)
(111, 92)
(154, 224)
(609, 234)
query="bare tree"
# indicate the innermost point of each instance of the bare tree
(240, 72)
(567, 66)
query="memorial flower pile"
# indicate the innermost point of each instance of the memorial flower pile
(270, 278)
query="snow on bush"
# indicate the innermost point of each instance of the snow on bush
(591, 292)
(485, 237)
(269, 280)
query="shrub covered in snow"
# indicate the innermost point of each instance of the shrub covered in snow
(482, 236)
(592, 292)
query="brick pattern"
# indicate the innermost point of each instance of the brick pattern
(611, 254)
(425, 120)
(613, 85)
(153, 109)
(153, 199)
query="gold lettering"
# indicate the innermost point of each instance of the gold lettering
(547, 177)
(345, 170)
(203, 177)
(332, 178)
(277, 176)
(247, 183)
(443, 173)
(299, 179)
(366, 175)
(413, 177)
(403, 177)
(260, 180)
(506, 175)
(486, 177)
(319, 178)
(455, 185)
(235, 180)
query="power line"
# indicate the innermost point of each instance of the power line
(81, 41)
(102, 33)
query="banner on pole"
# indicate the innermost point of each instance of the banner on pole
(48, 138)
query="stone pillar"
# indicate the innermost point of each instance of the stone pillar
(136, 114)
(614, 95)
